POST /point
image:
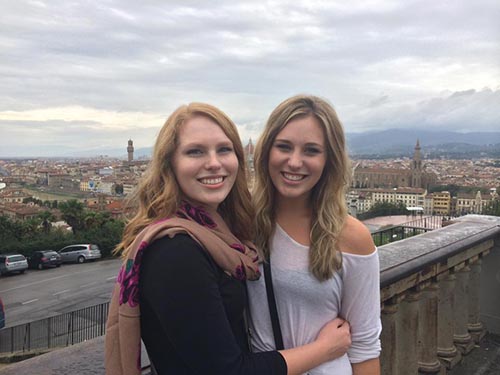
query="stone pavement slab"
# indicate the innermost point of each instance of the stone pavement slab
(86, 358)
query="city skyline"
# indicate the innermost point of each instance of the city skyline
(83, 76)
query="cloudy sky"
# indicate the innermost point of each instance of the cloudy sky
(85, 76)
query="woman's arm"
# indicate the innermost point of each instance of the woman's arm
(370, 367)
(361, 295)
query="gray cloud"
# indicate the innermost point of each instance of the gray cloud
(379, 62)
(460, 111)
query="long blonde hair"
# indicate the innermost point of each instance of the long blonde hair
(158, 194)
(329, 208)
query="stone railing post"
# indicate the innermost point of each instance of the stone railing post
(462, 338)
(389, 337)
(475, 326)
(407, 348)
(447, 352)
(428, 362)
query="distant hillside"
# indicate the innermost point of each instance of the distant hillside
(393, 142)
(402, 142)
(113, 152)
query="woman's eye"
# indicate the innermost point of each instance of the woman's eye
(283, 146)
(194, 152)
(313, 150)
(225, 149)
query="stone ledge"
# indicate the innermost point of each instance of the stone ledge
(21, 356)
(86, 358)
(406, 257)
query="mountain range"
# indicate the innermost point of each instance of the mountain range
(402, 142)
(379, 144)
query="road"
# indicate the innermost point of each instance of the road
(40, 294)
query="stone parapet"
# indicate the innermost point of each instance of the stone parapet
(432, 292)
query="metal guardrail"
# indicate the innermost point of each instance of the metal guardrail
(57, 331)
(396, 233)
(429, 222)
(409, 229)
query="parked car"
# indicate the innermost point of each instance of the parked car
(2, 314)
(12, 263)
(80, 253)
(44, 258)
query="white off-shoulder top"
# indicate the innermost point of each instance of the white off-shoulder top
(305, 304)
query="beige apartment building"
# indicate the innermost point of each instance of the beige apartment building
(19, 211)
(468, 203)
(13, 196)
(428, 204)
(441, 203)
(473, 203)
(410, 197)
(364, 199)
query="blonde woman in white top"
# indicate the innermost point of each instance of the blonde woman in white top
(324, 262)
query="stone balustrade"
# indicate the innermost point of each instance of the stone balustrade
(434, 290)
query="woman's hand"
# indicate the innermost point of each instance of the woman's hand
(335, 337)
(332, 342)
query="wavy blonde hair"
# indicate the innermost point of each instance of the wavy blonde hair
(158, 194)
(329, 208)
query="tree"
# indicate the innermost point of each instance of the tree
(118, 189)
(493, 208)
(46, 218)
(94, 219)
(24, 237)
(384, 209)
(6, 230)
(38, 202)
(107, 236)
(31, 227)
(73, 213)
(14, 232)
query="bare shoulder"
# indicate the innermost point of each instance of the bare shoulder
(355, 238)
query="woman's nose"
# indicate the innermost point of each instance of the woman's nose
(295, 160)
(213, 161)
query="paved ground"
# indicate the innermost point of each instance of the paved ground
(484, 360)
(81, 359)
(86, 358)
(39, 294)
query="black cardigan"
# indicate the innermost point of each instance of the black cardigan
(192, 314)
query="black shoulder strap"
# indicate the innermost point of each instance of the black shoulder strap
(273, 311)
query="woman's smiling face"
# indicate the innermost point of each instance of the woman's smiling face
(204, 163)
(297, 158)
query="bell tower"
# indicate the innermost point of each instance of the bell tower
(130, 150)
(416, 167)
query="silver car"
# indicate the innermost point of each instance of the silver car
(12, 263)
(80, 253)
